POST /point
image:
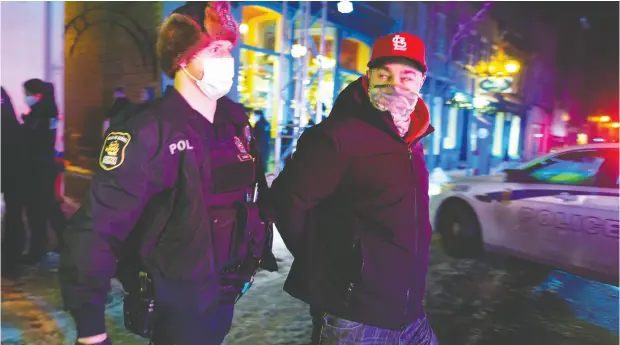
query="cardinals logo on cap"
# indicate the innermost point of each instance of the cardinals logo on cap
(400, 43)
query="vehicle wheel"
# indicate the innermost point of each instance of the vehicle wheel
(460, 230)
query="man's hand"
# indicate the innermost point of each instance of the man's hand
(95, 339)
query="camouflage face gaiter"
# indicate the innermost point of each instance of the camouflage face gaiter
(400, 102)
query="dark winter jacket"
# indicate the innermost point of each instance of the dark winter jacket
(165, 175)
(13, 145)
(40, 130)
(352, 206)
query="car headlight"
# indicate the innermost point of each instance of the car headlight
(438, 188)
(453, 187)
(434, 189)
(446, 187)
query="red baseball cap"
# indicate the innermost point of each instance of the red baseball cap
(401, 45)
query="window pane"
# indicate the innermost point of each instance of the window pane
(261, 27)
(498, 135)
(513, 141)
(449, 142)
(257, 86)
(346, 79)
(609, 175)
(573, 168)
(441, 33)
(436, 116)
(354, 55)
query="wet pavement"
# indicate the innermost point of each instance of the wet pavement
(489, 301)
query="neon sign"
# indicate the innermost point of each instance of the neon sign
(496, 84)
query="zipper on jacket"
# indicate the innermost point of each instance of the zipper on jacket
(407, 302)
(415, 220)
(410, 158)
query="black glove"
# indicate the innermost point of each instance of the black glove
(269, 263)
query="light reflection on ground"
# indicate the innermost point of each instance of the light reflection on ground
(591, 301)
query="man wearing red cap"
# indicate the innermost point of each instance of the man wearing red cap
(172, 210)
(352, 206)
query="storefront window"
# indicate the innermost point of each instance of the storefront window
(257, 86)
(347, 78)
(260, 27)
(320, 89)
(436, 117)
(329, 47)
(498, 135)
(354, 55)
(259, 72)
(449, 142)
(515, 134)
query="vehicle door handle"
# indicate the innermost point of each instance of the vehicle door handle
(566, 197)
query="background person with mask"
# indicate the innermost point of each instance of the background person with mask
(262, 132)
(39, 130)
(174, 192)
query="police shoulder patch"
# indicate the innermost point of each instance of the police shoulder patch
(113, 151)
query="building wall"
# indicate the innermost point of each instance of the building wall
(31, 36)
(118, 52)
(436, 24)
(23, 47)
(32, 47)
(106, 57)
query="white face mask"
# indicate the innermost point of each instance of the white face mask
(217, 78)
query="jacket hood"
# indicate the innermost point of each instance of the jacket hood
(354, 101)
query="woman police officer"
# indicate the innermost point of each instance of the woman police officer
(175, 191)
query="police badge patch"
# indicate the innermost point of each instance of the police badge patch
(243, 155)
(113, 151)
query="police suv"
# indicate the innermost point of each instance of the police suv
(559, 210)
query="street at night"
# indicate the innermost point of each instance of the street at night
(434, 172)
(490, 301)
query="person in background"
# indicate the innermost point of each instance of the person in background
(262, 134)
(12, 184)
(148, 93)
(287, 141)
(121, 103)
(352, 206)
(42, 206)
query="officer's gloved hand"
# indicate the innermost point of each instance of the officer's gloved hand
(266, 210)
(269, 263)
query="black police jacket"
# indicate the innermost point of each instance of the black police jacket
(162, 170)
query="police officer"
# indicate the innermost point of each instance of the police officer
(173, 197)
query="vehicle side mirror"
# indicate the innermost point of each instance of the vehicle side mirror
(515, 175)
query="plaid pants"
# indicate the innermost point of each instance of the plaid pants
(332, 330)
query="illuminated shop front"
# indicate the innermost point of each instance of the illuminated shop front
(344, 60)
(354, 56)
(258, 59)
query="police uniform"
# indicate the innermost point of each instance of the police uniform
(173, 205)
(168, 183)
